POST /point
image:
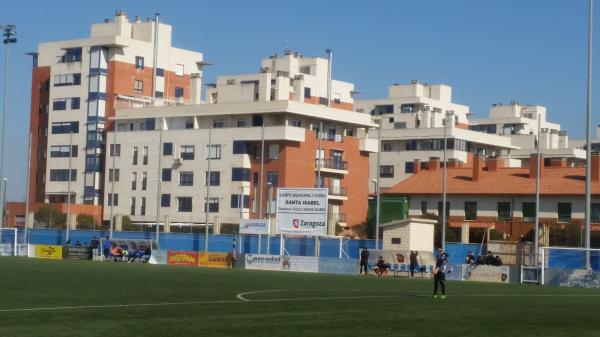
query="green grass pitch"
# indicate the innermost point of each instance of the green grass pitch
(83, 298)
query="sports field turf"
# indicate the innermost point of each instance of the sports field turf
(84, 298)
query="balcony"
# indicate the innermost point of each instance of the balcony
(332, 166)
(337, 193)
(368, 145)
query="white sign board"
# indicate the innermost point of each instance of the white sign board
(307, 264)
(254, 226)
(302, 211)
(263, 262)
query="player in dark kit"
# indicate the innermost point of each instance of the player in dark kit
(439, 274)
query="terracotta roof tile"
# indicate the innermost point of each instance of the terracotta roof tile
(511, 181)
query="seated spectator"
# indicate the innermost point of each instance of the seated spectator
(77, 244)
(489, 258)
(106, 247)
(381, 268)
(497, 261)
(116, 253)
(470, 258)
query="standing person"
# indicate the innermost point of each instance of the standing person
(364, 261)
(439, 274)
(413, 262)
(107, 245)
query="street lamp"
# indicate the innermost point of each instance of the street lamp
(9, 33)
(5, 181)
(447, 120)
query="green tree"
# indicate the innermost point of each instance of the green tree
(50, 217)
(86, 221)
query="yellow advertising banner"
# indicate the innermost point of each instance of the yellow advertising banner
(222, 260)
(48, 251)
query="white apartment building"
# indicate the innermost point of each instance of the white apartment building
(167, 148)
(413, 126)
(520, 123)
(78, 81)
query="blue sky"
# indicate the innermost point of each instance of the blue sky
(489, 51)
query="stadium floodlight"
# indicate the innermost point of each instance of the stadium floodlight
(588, 150)
(8, 34)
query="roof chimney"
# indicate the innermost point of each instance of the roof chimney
(495, 164)
(137, 19)
(595, 167)
(417, 166)
(477, 167)
(434, 164)
(533, 165)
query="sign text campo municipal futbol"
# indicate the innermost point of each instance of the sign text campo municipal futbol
(302, 211)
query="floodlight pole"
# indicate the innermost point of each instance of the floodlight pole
(444, 182)
(588, 126)
(208, 189)
(8, 35)
(536, 229)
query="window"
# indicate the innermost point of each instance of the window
(595, 216)
(423, 207)
(257, 152)
(138, 86)
(215, 178)
(396, 241)
(273, 151)
(135, 155)
(241, 123)
(62, 175)
(529, 211)
(115, 150)
(213, 205)
(184, 204)
(305, 70)
(179, 69)
(240, 174)
(139, 62)
(187, 152)
(504, 213)
(113, 175)
(132, 211)
(166, 174)
(273, 178)
(235, 201)
(386, 171)
(564, 211)
(218, 123)
(67, 79)
(113, 197)
(71, 55)
(133, 181)
(61, 151)
(165, 200)
(296, 122)
(307, 93)
(59, 104)
(158, 94)
(167, 149)
(255, 178)
(409, 167)
(257, 120)
(160, 72)
(240, 147)
(470, 210)
(65, 127)
(145, 156)
(447, 209)
(143, 206)
(186, 178)
(178, 92)
(144, 180)
(75, 103)
(400, 125)
(214, 153)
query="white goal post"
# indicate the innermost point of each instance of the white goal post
(8, 244)
(567, 259)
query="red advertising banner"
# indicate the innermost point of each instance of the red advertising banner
(183, 258)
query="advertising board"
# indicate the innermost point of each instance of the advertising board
(334, 265)
(77, 253)
(254, 226)
(263, 262)
(307, 264)
(48, 252)
(222, 260)
(302, 211)
(183, 258)
(486, 273)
